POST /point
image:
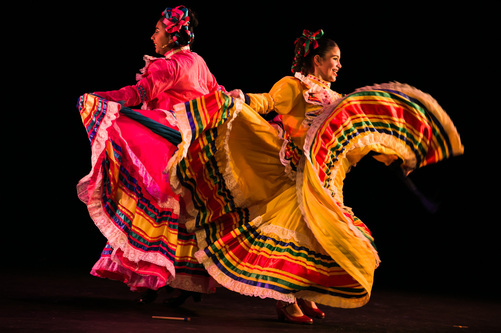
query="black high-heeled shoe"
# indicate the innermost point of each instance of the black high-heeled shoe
(182, 297)
(149, 296)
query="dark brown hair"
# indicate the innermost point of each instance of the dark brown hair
(305, 64)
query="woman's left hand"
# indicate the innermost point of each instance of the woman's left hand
(237, 94)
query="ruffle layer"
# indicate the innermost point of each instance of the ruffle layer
(143, 275)
(137, 276)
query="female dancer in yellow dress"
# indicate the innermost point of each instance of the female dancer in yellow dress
(265, 201)
(295, 99)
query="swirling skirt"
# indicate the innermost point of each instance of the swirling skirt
(263, 233)
(129, 198)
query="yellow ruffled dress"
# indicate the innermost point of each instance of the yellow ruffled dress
(268, 209)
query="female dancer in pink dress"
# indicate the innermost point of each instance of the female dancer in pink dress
(127, 193)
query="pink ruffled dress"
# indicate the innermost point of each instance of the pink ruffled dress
(127, 192)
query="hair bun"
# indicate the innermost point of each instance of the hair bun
(179, 22)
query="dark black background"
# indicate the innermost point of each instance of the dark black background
(58, 52)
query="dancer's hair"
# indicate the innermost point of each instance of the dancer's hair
(179, 23)
(307, 47)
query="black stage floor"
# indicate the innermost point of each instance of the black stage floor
(74, 301)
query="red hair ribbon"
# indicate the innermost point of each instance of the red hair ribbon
(307, 38)
(310, 39)
(177, 20)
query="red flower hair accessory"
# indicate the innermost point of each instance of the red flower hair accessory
(177, 21)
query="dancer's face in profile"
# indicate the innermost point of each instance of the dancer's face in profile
(161, 39)
(327, 67)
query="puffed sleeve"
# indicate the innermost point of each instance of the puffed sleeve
(282, 98)
(129, 95)
(160, 76)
